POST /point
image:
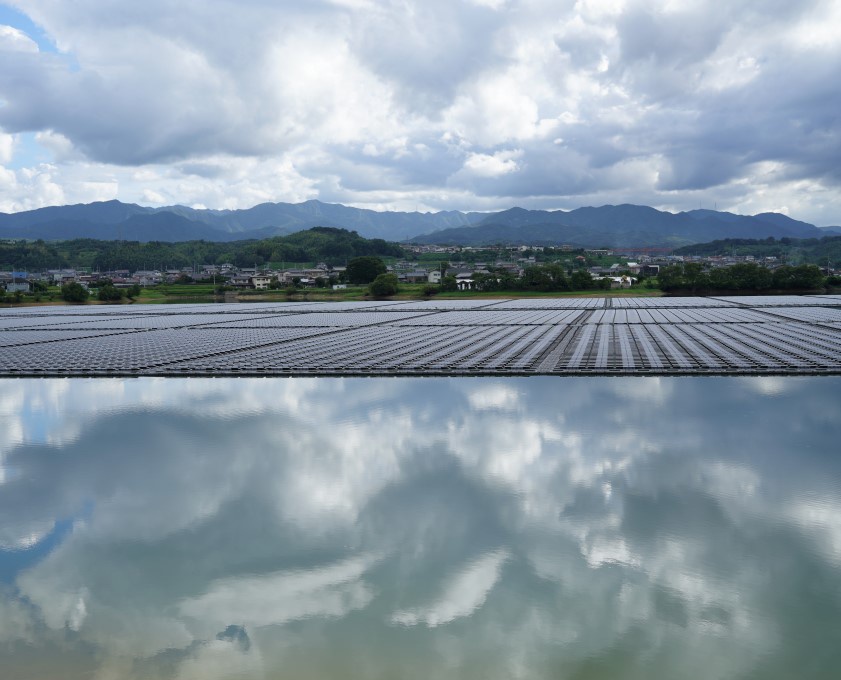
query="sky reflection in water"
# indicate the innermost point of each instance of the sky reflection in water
(563, 528)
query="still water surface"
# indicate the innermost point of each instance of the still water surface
(433, 528)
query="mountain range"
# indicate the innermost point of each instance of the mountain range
(609, 225)
(622, 226)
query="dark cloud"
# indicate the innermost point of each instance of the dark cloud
(429, 50)
(672, 40)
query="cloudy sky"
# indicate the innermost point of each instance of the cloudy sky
(423, 104)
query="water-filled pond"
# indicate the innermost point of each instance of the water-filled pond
(420, 528)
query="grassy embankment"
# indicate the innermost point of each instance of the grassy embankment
(407, 291)
(204, 293)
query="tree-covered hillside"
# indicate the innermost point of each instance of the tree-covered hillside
(319, 244)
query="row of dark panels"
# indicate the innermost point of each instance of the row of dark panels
(784, 347)
(20, 330)
(420, 306)
(778, 334)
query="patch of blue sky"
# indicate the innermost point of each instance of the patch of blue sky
(10, 16)
(13, 562)
(17, 19)
(28, 153)
(39, 425)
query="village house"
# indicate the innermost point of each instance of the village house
(240, 281)
(619, 281)
(261, 281)
(15, 282)
(464, 281)
(305, 276)
(287, 276)
(62, 277)
(146, 277)
(416, 276)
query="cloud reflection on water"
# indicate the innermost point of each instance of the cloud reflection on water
(539, 527)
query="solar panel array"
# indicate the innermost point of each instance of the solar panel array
(589, 335)
(780, 300)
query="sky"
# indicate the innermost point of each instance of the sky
(424, 104)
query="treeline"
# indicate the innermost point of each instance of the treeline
(745, 276)
(319, 244)
(546, 278)
(791, 250)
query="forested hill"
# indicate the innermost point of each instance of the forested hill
(319, 244)
(792, 250)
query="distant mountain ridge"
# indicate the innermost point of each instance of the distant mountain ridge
(619, 226)
(609, 225)
(116, 220)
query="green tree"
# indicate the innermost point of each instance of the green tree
(364, 269)
(449, 283)
(558, 275)
(383, 286)
(109, 293)
(808, 277)
(581, 280)
(694, 277)
(783, 277)
(74, 292)
(536, 278)
(486, 282)
(671, 277)
(719, 279)
(749, 276)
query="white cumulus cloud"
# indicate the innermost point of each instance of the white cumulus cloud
(463, 594)
(434, 104)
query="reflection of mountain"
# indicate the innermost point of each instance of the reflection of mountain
(235, 642)
(237, 635)
(360, 527)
